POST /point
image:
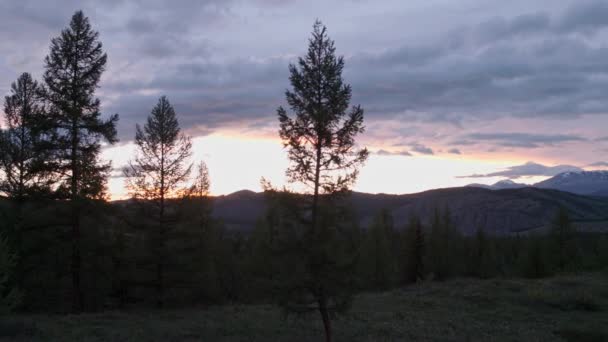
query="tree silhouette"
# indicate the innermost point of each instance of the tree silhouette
(563, 234)
(159, 172)
(21, 156)
(414, 251)
(199, 196)
(379, 262)
(202, 183)
(482, 257)
(443, 245)
(73, 68)
(320, 142)
(22, 159)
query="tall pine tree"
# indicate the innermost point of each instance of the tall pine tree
(158, 173)
(414, 251)
(73, 68)
(379, 261)
(21, 156)
(22, 160)
(320, 142)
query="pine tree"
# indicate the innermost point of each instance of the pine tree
(73, 68)
(320, 142)
(414, 246)
(158, 173)
(534, 264)
(563, 234)
(199, 193)
(21, 157)
(198, 214)
(437, 247)
(379, 261)
(482, 257)
(443, 244)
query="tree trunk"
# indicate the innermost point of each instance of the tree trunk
(161, 240)
(325, 316)
(160, 255)
(77, 295)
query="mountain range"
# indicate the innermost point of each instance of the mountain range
(504, 209)
(592, 183)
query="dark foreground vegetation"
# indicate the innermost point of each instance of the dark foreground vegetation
(65, 249)
(563, 308)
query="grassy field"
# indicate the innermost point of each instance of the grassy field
(567, 308)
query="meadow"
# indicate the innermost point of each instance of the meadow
(561, 308)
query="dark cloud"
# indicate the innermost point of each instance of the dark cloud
(454, 151)
(530, 65)
(524, 140)
(585, 16)
(599, 164)
(536, 64)
(527, 169)
(382, 152)
(416, 147)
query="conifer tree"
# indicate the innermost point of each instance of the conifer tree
(199, 193)
(534, 264)
(443, 243)
(324, 159)
(22, 159)
(414, 246)
(482, 258)
(73, 68)
(158, 173)
(378, 259)
(21, 156)
(563, 234)
(203, 236)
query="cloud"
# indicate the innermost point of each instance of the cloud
(599, 164)
(383, 152)
(218, 71)
(527, 169)
(416, 147)
(532, 65)
(454, 151)
(585, 16)
(523, 140)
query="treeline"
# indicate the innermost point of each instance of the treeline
(395, 256)
(64, 247)
(208, 264)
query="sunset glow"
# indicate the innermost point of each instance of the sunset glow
(238, 162)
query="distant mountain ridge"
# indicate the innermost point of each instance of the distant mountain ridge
(581, 182)
(503, 212)
(500, 185)
(593, 183)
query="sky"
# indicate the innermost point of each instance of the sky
(454, 92)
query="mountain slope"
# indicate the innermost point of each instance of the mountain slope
(582, 182)
(496, 211)
(500, 185)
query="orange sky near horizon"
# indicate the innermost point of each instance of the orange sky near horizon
(238, 162)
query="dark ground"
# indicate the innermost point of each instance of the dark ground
(565, 308)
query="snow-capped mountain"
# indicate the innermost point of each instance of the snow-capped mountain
(579, 182)
(593, 183)
(503, 184)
